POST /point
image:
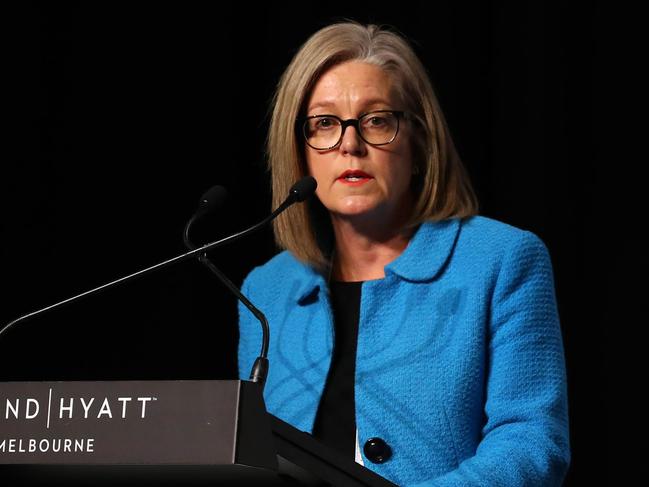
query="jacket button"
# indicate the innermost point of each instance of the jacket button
(377, 450)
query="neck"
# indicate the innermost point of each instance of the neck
(363, 250)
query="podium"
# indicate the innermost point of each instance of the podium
(159, 433)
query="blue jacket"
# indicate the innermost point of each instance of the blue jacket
(460, 363)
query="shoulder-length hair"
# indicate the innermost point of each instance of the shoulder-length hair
(441, 186)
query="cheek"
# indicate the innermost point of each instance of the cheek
(406, 165)
(317, 168)
(314, 163)
(399, 181)
(397, 170)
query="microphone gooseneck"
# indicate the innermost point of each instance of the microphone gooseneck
(299, 192)
(211, 201)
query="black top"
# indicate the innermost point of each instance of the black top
(335, 422)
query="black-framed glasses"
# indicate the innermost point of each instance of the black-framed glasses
(378, 127)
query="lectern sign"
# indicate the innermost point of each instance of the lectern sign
(175, 422)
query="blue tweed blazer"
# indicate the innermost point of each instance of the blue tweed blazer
(460, 363)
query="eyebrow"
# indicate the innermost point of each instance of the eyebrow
(365, 104)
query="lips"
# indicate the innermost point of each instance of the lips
(354, 176)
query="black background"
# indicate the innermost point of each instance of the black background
(120, 115)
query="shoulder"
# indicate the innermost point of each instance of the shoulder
(494, 231)
(485, 246)
(492, 238)
(461, 246)
(508, 255)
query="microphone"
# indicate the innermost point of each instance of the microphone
(213, 199)
(210, 201)
(303, 189)
(299, 192)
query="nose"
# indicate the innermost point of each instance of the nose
(351, 142)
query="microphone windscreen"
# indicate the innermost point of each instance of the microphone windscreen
(213, 199)
(304, 188)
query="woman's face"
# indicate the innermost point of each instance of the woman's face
(378, 185)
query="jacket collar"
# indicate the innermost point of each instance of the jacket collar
(424, 257)
(429, 249)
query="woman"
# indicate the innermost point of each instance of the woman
(405, 329)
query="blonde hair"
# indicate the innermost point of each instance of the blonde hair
(441, 186)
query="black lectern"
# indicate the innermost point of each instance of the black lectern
(158, 433)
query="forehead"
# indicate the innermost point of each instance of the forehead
(352, 82)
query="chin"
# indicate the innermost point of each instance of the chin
(356, 208)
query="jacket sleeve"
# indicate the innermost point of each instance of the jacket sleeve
(525, 439)
(250, 333)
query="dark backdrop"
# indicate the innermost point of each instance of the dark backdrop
(122, 115)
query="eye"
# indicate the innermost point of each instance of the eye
(325, 123)
(376, 121)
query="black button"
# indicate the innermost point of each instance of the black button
(377, 450)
